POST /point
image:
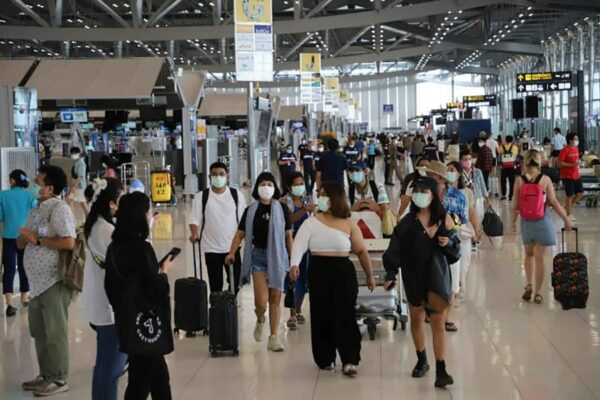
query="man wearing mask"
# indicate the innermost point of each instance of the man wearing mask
(351, 151)
(332, 165)
(525, 143)
(363, 192)
(568, 162)
(558, 143)
(318, 154)
(307, 155)
(213, 222)
(287, 163)
(485, 160)
(79, 181)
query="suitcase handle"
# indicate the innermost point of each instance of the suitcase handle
(199, 261)
(232, 288)
(576, 230)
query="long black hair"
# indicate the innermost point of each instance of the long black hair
(132, 222)
(20, 178)
(101, 205)
(266, 176)
(459, 168)
(436, 208)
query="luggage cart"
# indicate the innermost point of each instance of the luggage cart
(136, 170)
(371, 307)
(591, 186)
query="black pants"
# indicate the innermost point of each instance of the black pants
(371, 162)
(148, 376)
(333, 291)
(12, 258)
(387, 171)
(215, 263)
(310, 177)
(507, 174)
(486, 175)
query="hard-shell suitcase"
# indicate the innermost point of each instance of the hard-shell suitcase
(191, 302)
(223, 320)
(570, 276)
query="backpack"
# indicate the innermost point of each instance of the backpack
(71, 263)
(492, 224)
(531, 199)
(205, 194)
(508, 158)
(352, 191)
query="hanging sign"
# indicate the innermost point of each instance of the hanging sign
(544, 81)
(331, 90)
(253, 40)
(310, 78)
(480, 101)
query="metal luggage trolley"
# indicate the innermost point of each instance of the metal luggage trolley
(137, 169)
(372, 307)
(591, 186)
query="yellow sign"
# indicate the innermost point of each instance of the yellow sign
(344, 95)
(161, 186)
(542, 76)
(253, 11)
(310, 62)
(332, 84)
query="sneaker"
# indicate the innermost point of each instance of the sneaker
(258, 330)
(274, 344)
(10, 311)
(34, 383)
(301, 319)
(51, 388)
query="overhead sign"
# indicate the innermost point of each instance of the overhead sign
(70, 115)
(453, 106)
(331, 91)
(253, 40)
(544, 81)
(440, 111)
(388, 108)
(480, 101)
(310, 78)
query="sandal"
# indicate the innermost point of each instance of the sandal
(527, 295)
(451, 327)
(350, 370)
(537, 299)
(301, 319)
(291, 324)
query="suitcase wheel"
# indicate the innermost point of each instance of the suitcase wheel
(236, 353)
(214, 354)
(372, 329)
(395, 324)
(205, 332)
(190, 334)
(176, 331)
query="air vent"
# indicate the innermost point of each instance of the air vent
(12, 158)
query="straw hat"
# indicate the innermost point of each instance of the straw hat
(438, 168)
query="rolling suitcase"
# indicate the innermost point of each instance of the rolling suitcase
(191, 302)
(223, 321)
(570, 277)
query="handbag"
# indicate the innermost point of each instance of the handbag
(388, 223)
(144, 328)
(289, 300)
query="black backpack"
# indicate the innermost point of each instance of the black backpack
(492, 224)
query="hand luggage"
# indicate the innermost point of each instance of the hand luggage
(492, 224)
(570, 277)
(223, 320)
(191, 302)
(552, 173)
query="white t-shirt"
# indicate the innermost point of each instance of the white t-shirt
(95, 304)
(492, 144)
(221, 221)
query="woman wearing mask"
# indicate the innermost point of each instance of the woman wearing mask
(301, 208)
(331, 236)
(474, 180)
(15, 204)
(268, 232)
(132, 267)
(466, 233)
(109, 165)
(536, 234)
(423, 245)
(98, 230)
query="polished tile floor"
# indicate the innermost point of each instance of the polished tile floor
(504, 349)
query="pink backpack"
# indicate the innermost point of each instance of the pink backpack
(532, 206)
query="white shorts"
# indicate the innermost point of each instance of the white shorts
(455, 272)
(77, 195)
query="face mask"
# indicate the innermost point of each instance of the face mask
(323, 203)
(481, 144)
(467, 163)
(313, 148)
(218, 181)
(104, 166)
(303, 142)
(289, 151)
(321, 149)
(576, 143)
(357, 177)
(74, 157)
(422, 172)
(266, 192)
(452, 177)
(351, 145)
(34, 189)
(421, 200)
(298, 190)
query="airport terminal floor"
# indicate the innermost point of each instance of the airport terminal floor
(504, 348)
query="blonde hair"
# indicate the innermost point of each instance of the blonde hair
(533, 157)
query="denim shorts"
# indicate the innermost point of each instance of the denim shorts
(540, 231)
(259, 260)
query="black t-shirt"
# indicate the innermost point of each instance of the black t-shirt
(285, 156)
(302, 148)
(351, 153)
(332, 166)
(261, 223)
(430, 151)
(307, 157)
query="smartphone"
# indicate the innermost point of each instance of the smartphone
(174, 252)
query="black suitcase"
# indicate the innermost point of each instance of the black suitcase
(570, 277)
(552, 173)
(223, 321)
(191, 302)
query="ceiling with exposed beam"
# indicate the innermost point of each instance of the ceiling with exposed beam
(355, 37)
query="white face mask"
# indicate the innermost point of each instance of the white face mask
(74, 156)
(266, 192)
